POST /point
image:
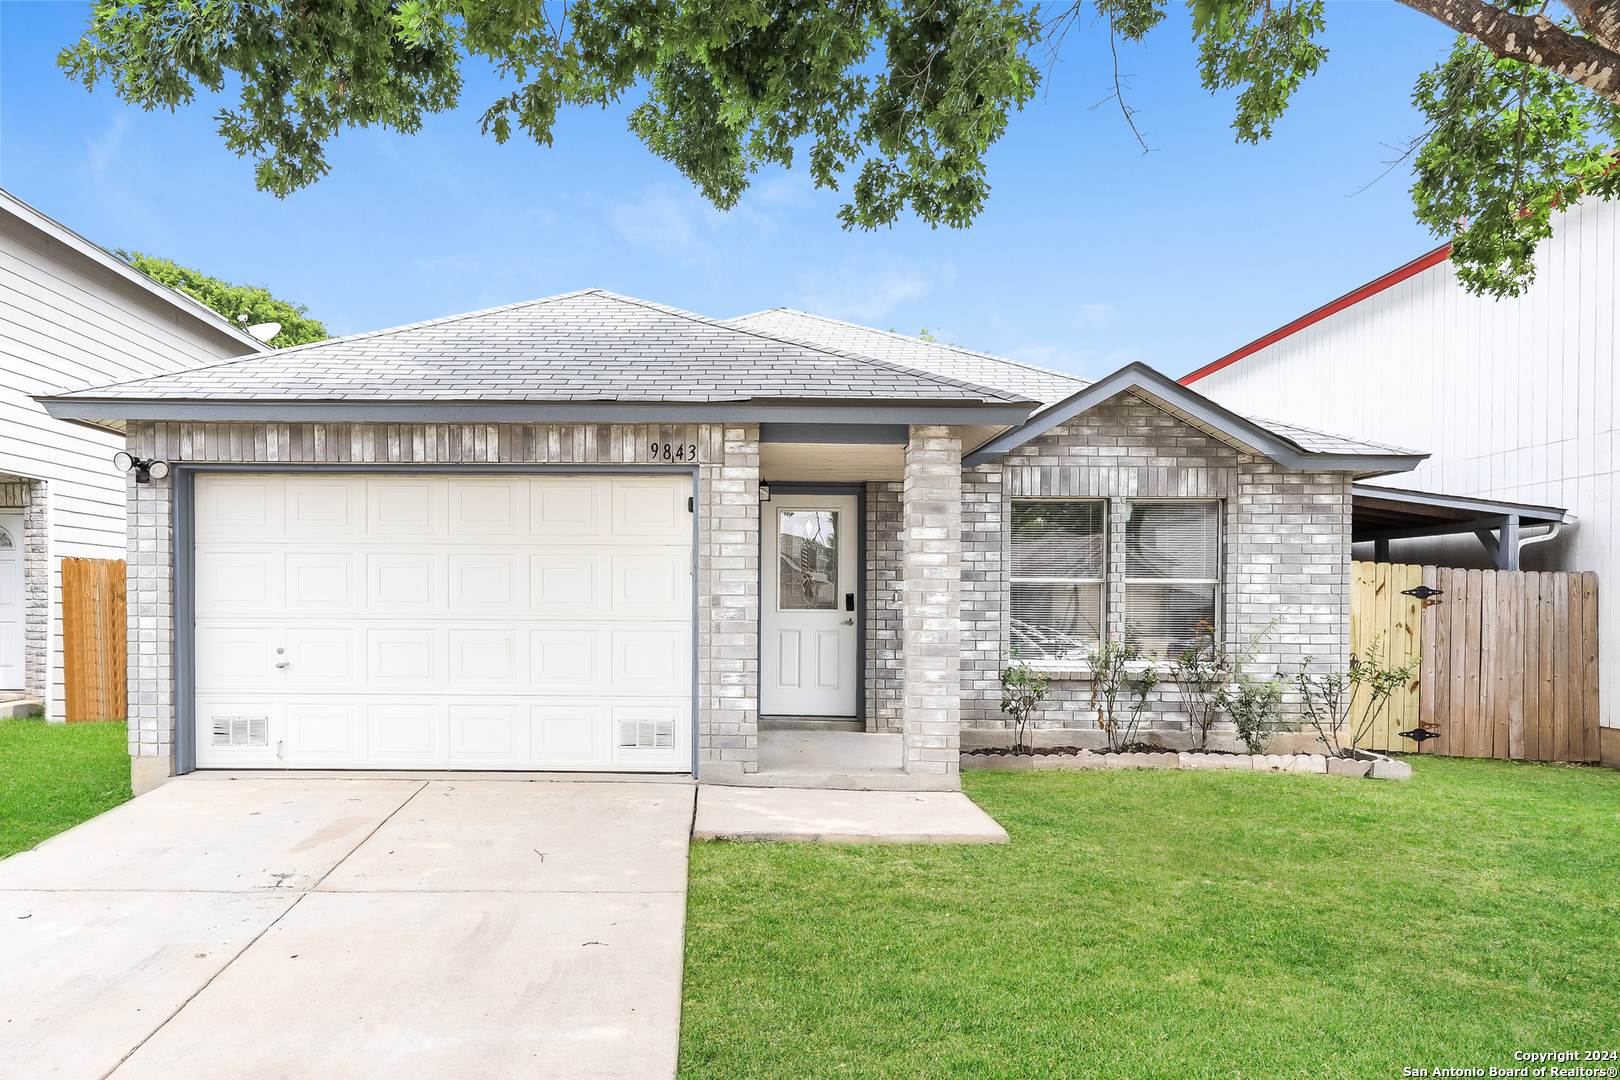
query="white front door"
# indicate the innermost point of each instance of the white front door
(472, 622)
(808, 665)
(12, 611)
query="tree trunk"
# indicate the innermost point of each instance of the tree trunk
(1537, 40)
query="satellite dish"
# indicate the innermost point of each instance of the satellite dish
(264, 331)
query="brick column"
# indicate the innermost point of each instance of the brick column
(728, 605)
(931, 570)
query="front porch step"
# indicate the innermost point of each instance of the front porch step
(810, 723)
(13, 707)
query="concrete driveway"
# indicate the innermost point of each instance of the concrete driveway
(351, 928)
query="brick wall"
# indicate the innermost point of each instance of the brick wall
(884, 674)
(728, 555)
(39, 585)
(931, 557)
(1287, 550)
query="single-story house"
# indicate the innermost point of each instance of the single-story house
(595, 533)
(71, 314)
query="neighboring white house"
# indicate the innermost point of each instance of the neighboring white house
(72, 315)
(1515, 399)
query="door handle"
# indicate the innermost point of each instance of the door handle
(849, 622)
(282, 664)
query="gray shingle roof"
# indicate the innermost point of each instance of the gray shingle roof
(1042, 384)
(579, 347)
(951, 361)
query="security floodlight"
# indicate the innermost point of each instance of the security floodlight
(145, 470)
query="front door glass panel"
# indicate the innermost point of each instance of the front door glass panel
(807, 557)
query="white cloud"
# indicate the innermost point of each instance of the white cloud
(863, 294)
(668, 225)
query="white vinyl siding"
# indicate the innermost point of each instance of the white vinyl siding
(1515, 399)
(1172, 573)
(1059, 565)
(67, 323)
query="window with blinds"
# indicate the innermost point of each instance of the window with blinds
(1172, 573)
(1058, 561)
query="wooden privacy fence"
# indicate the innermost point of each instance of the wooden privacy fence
(1509, 659)
(94, 639)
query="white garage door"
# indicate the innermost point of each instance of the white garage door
(395, 622)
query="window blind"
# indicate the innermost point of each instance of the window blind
(1172, 573)
(1058, 560)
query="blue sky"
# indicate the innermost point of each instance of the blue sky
(1090, 255)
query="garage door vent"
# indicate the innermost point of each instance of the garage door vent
(241, 731)
(647, 734)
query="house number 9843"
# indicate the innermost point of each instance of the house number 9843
(673, 451)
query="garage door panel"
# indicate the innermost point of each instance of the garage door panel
(652, 586)
(486, 508)
(566, 660)
(328, 657)
(652, 510)
(322, 581)
(401, 581)
(484, 658)
(647, 733)
(402, 655)
(435, 621)
(228, 582)
(572, 508)
(240, 508)
(404, 509)
(324, 508)
(488, 733)
(651, 661)
(238, 730)
(571, 732)
(564, 585)
(325, 732)
(233, 656)
(483, 583)
(406, 732)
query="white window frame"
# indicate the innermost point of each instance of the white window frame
(1101, 581)
(1218, 581)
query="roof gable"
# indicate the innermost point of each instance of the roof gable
(1296, 448)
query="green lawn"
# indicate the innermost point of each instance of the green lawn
(1175, 924)
(53, 776)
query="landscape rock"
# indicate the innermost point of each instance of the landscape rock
(1391, 770)
(1345, 767)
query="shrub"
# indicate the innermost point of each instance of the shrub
(1334, 702)
(1110, 662)
(1256, 709)
(1022, 691)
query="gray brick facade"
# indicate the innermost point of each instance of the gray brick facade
(937, 557)
(728, 555)
(1286, 555)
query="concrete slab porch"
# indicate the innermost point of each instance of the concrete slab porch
(838, 760)
(842, 817)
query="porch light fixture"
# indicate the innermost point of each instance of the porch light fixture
(764, 491)
(146, 470)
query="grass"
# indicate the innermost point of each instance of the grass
(53, 776)
(1177, 925)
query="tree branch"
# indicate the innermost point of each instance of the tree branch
(1598, 19)
(1532, 39)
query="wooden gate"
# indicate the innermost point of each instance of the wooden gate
(1509, 659)
(94, 639)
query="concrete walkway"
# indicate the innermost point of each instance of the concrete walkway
(842, 817)
(395, 929)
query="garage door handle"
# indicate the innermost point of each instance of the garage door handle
(282, 664)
